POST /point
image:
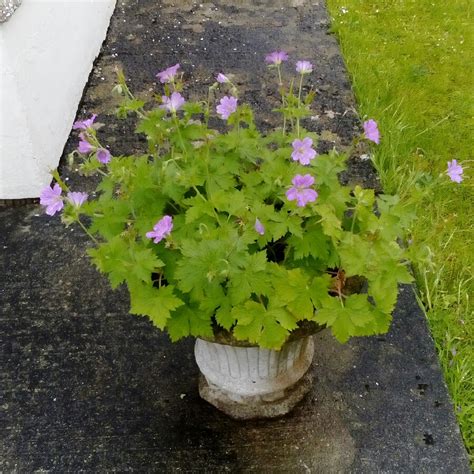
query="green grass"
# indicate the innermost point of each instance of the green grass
(411, 67)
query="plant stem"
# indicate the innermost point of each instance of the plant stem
(84, 228)
(341, 300)
(353, 220)
(205, 200)
(183, 148)
(299, 105)
(208, 108)
(140, 112)
(280, 82)
(208, 177)
(103, 173)
(283, 103)
(58, 179)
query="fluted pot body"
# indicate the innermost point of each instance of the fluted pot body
(261, 379)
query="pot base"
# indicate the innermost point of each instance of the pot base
(255, 406)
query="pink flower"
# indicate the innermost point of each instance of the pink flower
(161, 229)
(103, 155)
(84, 146)
(227, 106)
(168, 74)
(277, 57)
(300, 190)
(454, 171)
(302, 151)
(51, 199)
(222, 78)
(84, 124)
(371, 131)
(304, 67)
(172, 103)
(77, 199)
(259, 227)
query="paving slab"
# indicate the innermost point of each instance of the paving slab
(87, 387)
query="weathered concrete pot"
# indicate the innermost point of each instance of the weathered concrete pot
(251, 382)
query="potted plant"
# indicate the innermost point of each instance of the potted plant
(246, 241)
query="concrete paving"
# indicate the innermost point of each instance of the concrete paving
(87, 387)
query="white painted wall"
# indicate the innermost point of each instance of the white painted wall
(47, 49)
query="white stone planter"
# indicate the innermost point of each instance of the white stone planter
(250, 382)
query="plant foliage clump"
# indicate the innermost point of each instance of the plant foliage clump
(237, 230)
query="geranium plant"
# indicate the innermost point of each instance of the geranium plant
(234, 230)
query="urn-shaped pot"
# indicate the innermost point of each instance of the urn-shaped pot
(252, 382)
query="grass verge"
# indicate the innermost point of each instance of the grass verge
(411, 67)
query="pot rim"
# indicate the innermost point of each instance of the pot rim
(226, 337)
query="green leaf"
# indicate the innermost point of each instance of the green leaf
(224, 316)
(106, 187)
(293, 292)
(171, 186)
(313, 242)
(147, 215)
(302, 307)
(198, 208)
(123, 260)
(384, 291)
(201, 326)
(232, 202)
(401, 273)
(335, 316)
(327, 168)
(360, 310)
(249, 319)
(112, 218)
(275, 223)
(330, 222)
(129, 105)
(251, 180)
(319, 288)
(381, 322)
(251, 276)
(112, 258)
(90, 166)
(214, 296)
(156, 303)
(285, 318)
(365, 197)
(192, 108)
(188, 321)
(294, 223)
(356, 317)
(273, 335)
(154, 127)
(354, 253)
(222, 171)
(143, 262)
(342, 328)
(178, 324)
(204, 263)
(152, 121)
(256, 325)
(329, 313)
(193, 132)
